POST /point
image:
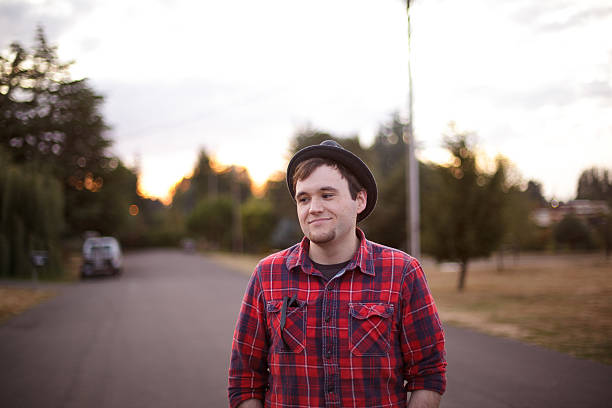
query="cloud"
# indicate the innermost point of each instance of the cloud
(559, 94)
(19, 18)
(578, 18)
(599, 90)
(17, 22)
(560, 15)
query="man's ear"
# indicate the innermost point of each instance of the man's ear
(362, 200)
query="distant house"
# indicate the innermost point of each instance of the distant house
(585, 209)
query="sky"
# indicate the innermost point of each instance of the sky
(531, 79)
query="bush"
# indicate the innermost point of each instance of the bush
(212, 219)
(571, 232)
(258, 221)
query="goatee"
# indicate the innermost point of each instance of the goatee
(322, 238)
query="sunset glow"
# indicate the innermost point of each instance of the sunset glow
(531, 79)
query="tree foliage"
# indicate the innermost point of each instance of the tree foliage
(209, 182)
(595, 184)
(212, 220)
(309, 136)
(286, 230)
(31, 206)
(258, 223)
(464, 214)
(49, 118)
(573, 233)
(54, 124)
(388, 153)
(520, 232)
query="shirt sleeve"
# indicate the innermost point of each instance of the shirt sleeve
(248, 372)
(422, 338)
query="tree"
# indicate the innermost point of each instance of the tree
(389, 148)
(46, 115)
(212, 219)
(258, 221)
(54, 124)
(388, 153)
(596, 184)
(464, 216)
(209, 182)
(31, 206)
(520, 232)
(574, 233)
(286, 230)
(534, 194)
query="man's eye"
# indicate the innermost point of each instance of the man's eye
(328, 195)
(302, 200)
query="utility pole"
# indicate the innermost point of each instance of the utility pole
(412, 166)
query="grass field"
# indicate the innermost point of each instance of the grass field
(562, 302)
(14, 301)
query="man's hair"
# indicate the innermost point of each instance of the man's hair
(307, 167)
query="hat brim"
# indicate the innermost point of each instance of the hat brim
(340, 155)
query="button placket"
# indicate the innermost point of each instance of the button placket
(330, 368)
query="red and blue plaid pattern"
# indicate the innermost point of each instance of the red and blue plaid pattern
(363, 339)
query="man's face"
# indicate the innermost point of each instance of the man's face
(326, 211)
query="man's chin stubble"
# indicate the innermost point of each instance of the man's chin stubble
(321, 239)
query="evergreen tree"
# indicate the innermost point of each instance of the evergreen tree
(596, 184)
(464, 216)
(53, 124)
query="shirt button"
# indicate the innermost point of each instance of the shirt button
(327, 318)
(329, 353)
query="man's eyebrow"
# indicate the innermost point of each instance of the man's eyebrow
(328, 188)
(325, 188)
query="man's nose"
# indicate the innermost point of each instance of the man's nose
(316, 205)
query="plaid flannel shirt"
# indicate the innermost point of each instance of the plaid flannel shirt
(362, 339)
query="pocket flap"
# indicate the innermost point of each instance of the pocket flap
(364, 311)
(275, 306)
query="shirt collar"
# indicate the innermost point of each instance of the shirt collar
(299, 256)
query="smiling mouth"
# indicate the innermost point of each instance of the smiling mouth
(318, 220)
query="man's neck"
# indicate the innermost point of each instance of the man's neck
(334, 253)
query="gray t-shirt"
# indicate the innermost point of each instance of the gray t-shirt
(329, 271)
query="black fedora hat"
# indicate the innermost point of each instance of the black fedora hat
(330, 149)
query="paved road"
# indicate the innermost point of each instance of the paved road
(160, 336)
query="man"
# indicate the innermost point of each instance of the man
(336, 320)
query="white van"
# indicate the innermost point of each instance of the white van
(101, 255)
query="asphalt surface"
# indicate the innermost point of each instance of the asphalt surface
(160, 336)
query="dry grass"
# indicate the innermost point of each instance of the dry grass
(14, 301)
(561, 302)
(72, 264)
(244, 263)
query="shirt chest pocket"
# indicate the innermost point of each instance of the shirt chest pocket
(370, 328)
(288, 326)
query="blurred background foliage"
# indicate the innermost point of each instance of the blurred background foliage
(59, 181)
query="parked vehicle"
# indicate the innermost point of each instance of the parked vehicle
(101, 255)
